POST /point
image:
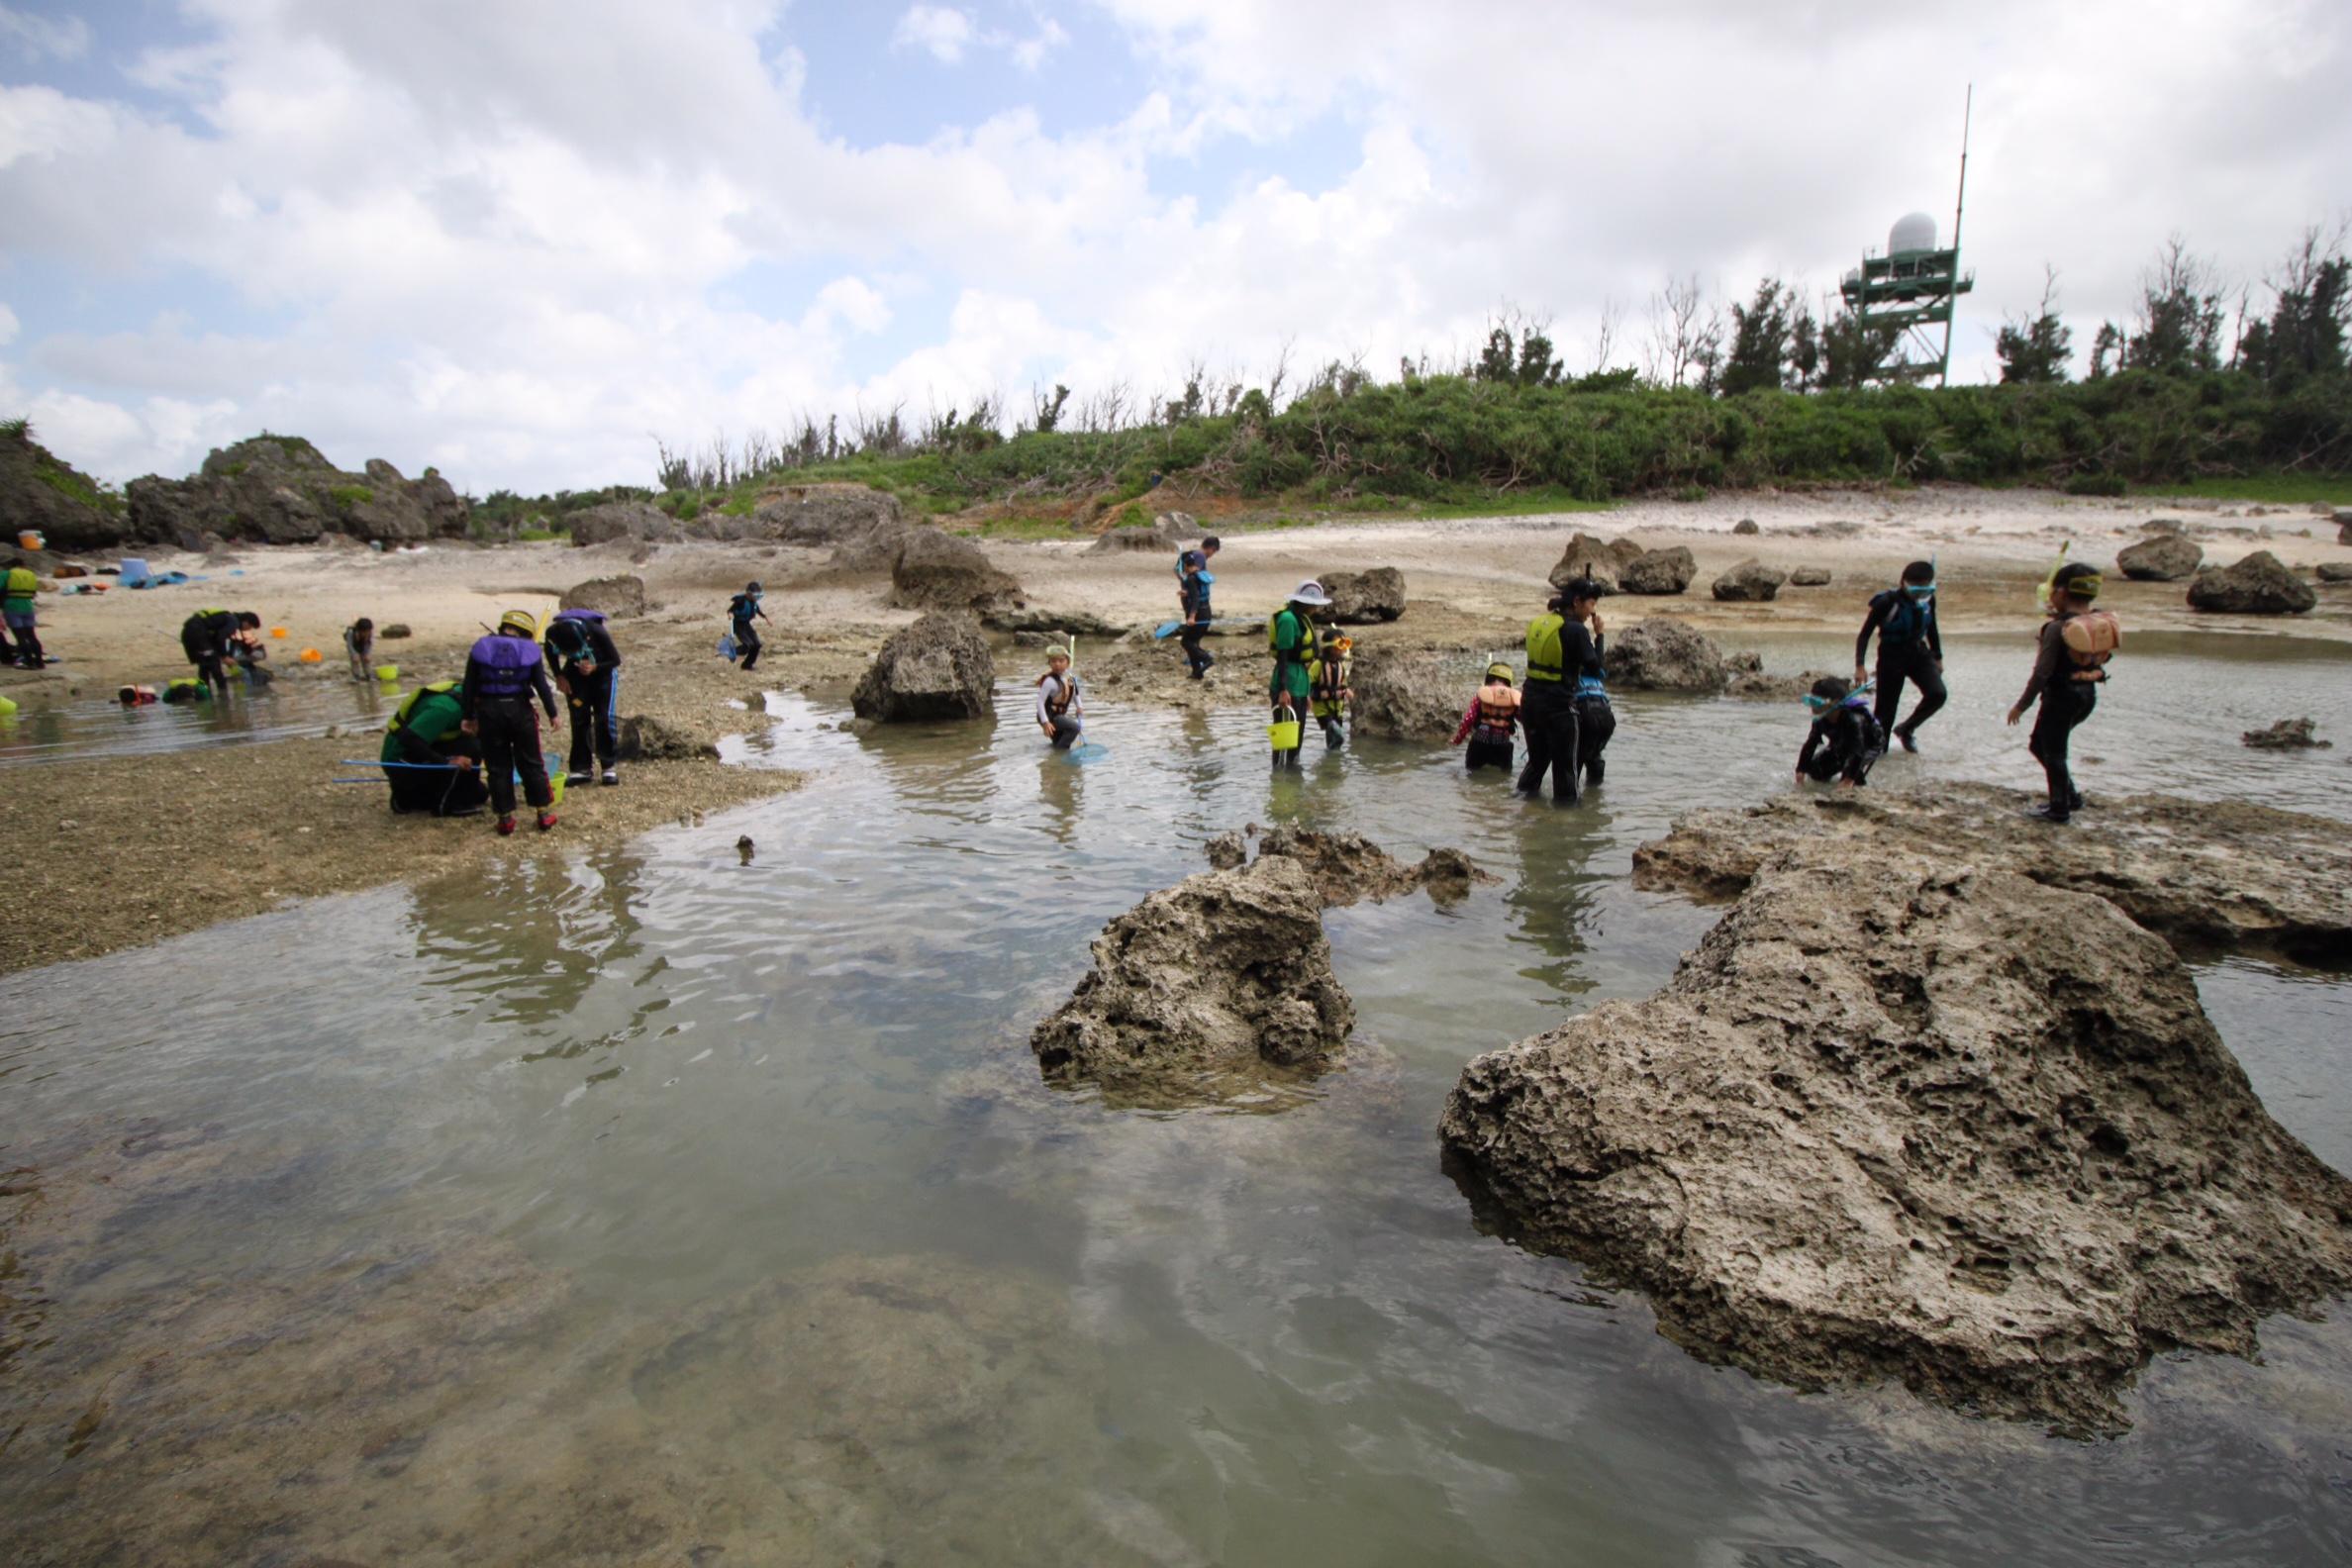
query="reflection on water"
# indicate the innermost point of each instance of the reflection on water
(297, 703)
(772, 1245)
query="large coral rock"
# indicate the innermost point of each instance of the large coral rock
(827, 514)
(1169, 533)
(2261, 584)
(2288, 735)
(628, 520)
(937, 668)
(1364, 598)
(618, 596)
(1226, 972)
(2205, 874)
(1594, 559)
(1661, 654)
(2333, 571)
(936, 570)
(1749, 582)
(38, 490)
(1349, 867)
(1901, 1119)
(1809, 577)
(1659, 571)
(281, 490)
(2161, 557)
(1410, 696)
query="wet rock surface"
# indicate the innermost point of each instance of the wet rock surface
(1349, 867)
(2261, 584)
(1899, 1119)
(642, 738)
(937, 668)
(1659, 571)
(2162, 557)
(937, 570)
(2204, 875)
(1365, 598)
(1749, 582)
(1203, 985)
(2288, 735)
(1401, 696)
(617, 597)
(1756, 686)
(1662, 654)
(281, 490)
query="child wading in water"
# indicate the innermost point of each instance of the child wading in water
(359, 643)
(1491, 722)
(1845, 737)
(1060, 711)
(2068, 666)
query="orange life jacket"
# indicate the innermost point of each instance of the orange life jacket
(1497, 710)
(2091, 638)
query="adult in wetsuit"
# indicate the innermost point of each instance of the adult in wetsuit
(1910, 649)
(210, 639)
(503, 674)
(2067, 691)
(1193, 583)
(1845, 739)
(588, 672)
(1290, 637)
(1560, 654)
(436, 772)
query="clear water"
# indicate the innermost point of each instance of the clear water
(297, 703)
(671, 1080)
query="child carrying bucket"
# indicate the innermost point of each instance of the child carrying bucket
(1290, 637)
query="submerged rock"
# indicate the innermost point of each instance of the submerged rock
(1349, 867)
(2261, 584)
(1756, 686)
(1228, 970)
(1410, 696)
(2204, 875)
(1659, 571)
(2288, 735)
(2161, 557)
(937, 668)
(936, 570)
(1749, 582)
(1903, 1118)
(1660, 654)
(1364, 598)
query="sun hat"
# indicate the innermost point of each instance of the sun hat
(1310, 592)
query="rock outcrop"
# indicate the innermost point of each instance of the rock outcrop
(2161, 557)
(2288, 735)
(1596, 559)
(827, 514)
(1994, 1150)
(937, 570)
(1809, 576)
(2333, 571)
(1410, 696)
(38, 490)
(937, 668)
(1747, 526)
(281, 490)
(1227, 973)
(1364, 598)
(1659, 571)
(1169, 533)
(2261, 584)
(646, 738)
(1756, 686)
(638, 520)
(1349, 867)
(1661, 654)
(617, 597)
(2207, 875)
(1749, 582)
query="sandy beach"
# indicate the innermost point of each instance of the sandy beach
(121, 851)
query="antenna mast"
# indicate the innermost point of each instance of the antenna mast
(1959, 205)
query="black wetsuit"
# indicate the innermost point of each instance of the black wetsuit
(2065, 703)
(1910, 649)
(1192, 599)
(208, 637)
(1842, 743)
(741, 609)
(502, 676)
(575, 637)
(1548, 713)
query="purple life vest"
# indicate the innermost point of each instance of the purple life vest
(506, 664)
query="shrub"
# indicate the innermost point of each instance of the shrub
(346, 497)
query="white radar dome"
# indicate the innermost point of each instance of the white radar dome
(1911, 232)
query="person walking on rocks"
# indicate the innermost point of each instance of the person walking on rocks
(1910, 649)
(742, 610)
(503, 674)
(1290, 637)
(1193, 582)
(588, 672)
(16, 609)
(2068, 666)
(1560, 653)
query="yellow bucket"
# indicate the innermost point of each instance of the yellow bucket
(387, 672)
(1284, 734)
(7, 708)
(554, 787)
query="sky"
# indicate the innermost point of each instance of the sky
(523, 239)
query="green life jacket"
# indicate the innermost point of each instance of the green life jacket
(407, 704)
(23, 583)
(1544, 658)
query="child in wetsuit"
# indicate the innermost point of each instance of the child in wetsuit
(1845, 739)
(1061, 714)
(359, 643)
(1490, 722)
(2066, 683)
(503, 674)
(741, 610)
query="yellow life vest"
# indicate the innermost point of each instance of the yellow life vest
(407, 704)
(1545, 658)
(23, 583)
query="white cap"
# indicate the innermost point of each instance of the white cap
(1309, 593)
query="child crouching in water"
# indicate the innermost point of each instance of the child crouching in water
(1845, 737)
(359, 643)
(1490, 722)
(1060, 713)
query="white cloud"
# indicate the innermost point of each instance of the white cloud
(945, 32)
(1030, 53)
(44, 38)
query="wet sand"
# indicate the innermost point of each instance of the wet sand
(115, 852)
